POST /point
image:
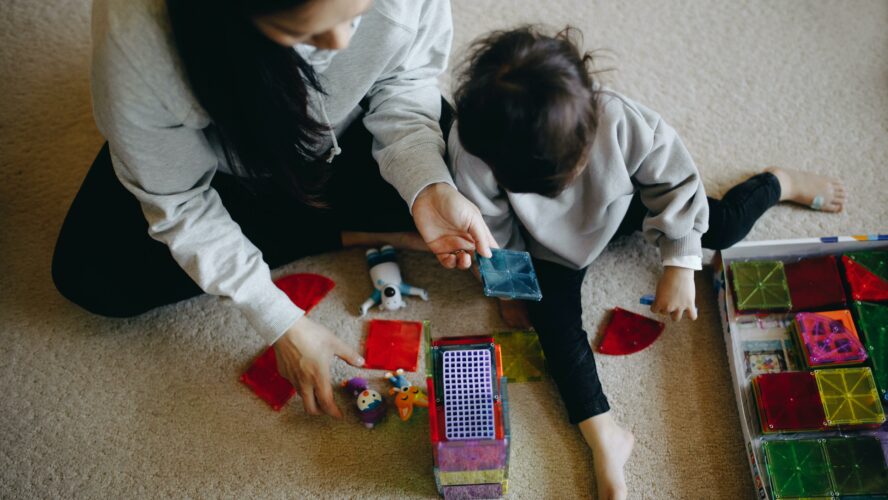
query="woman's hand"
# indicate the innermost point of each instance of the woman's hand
(451, 226)
(676, 293)
(303, 355)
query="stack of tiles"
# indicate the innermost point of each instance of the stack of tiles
(760, 285)
(873, 322)
(820, 400)
(828, 338)
(827, 468)
(468, 417)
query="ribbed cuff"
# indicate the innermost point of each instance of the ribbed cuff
(417, 168)
(270, 312)
(683, 247)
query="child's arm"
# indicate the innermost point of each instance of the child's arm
(678, 214)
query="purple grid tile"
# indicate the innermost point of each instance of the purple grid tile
(468, 395)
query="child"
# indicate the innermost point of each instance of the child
(559, 166)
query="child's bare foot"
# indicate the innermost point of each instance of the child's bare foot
(401, 241)
(514, 313)
(611, 447)
(811, 190)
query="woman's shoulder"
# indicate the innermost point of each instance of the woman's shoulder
(133, 46)
(411, 14)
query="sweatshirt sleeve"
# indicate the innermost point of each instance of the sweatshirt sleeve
(168, 167)
(475, 181)
(405, 106)
(672, 190)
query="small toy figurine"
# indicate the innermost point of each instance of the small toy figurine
(388, 286)
(406, 396)
(369, 402)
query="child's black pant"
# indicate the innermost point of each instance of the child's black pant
(558, 317)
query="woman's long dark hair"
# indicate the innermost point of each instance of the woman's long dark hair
(255, 91)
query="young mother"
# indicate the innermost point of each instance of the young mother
(249, 133)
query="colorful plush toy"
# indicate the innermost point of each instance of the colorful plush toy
(371, 409)
(406, 396)
(388, 287)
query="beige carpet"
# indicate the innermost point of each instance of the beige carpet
(151, 407)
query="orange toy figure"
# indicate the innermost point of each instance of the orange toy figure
(406, 396)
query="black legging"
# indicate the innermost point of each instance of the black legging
(105, 262)
(558, 317)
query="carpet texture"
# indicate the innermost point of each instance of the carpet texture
(152, 406)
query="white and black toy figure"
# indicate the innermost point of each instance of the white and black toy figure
(388, 287)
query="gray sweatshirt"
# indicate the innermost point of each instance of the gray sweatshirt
(162, 154)
(633, 150)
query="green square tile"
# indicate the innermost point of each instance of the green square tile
(872, 322)
(857, 465)
(797, 468)
(849, 396)
(523, 359)
(760, 285)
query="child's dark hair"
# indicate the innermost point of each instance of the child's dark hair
(527, 106)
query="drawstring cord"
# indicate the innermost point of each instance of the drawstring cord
(335, 150)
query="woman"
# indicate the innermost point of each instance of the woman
(243, 133)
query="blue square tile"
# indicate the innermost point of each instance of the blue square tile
(509, 274)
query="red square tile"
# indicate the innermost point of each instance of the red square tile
(789, 401)
(393, 344)
(628, 332)
(815, 283)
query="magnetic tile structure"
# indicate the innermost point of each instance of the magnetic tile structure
(509, 274)
(523, 359)
(857, 465)
(627, 333)
(829, 338)
(815, 283)
(797, 468)
(468, 396)
(789, 402)
(867, 275)
(760, 285)
(393, 344)
(849, 396)
(873, 322)
(469, 419)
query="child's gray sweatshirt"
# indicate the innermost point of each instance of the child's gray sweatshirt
(634, 150)
(162, 154)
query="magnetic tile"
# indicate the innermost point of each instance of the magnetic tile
(393, 344)
(473, 491)
(262, 377)
(814, 283)
(873, 322)
(789, 401)
(857, 465)
(468, 395)
(627, 332)
(509, 274)
(760, 285)
(797, 468)
(470, 477)
(829, 338)
(867, 275)
(849, 396)
(523, 359)
(471, 455)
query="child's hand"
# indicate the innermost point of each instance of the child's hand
(514, 313)
(676, 293)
